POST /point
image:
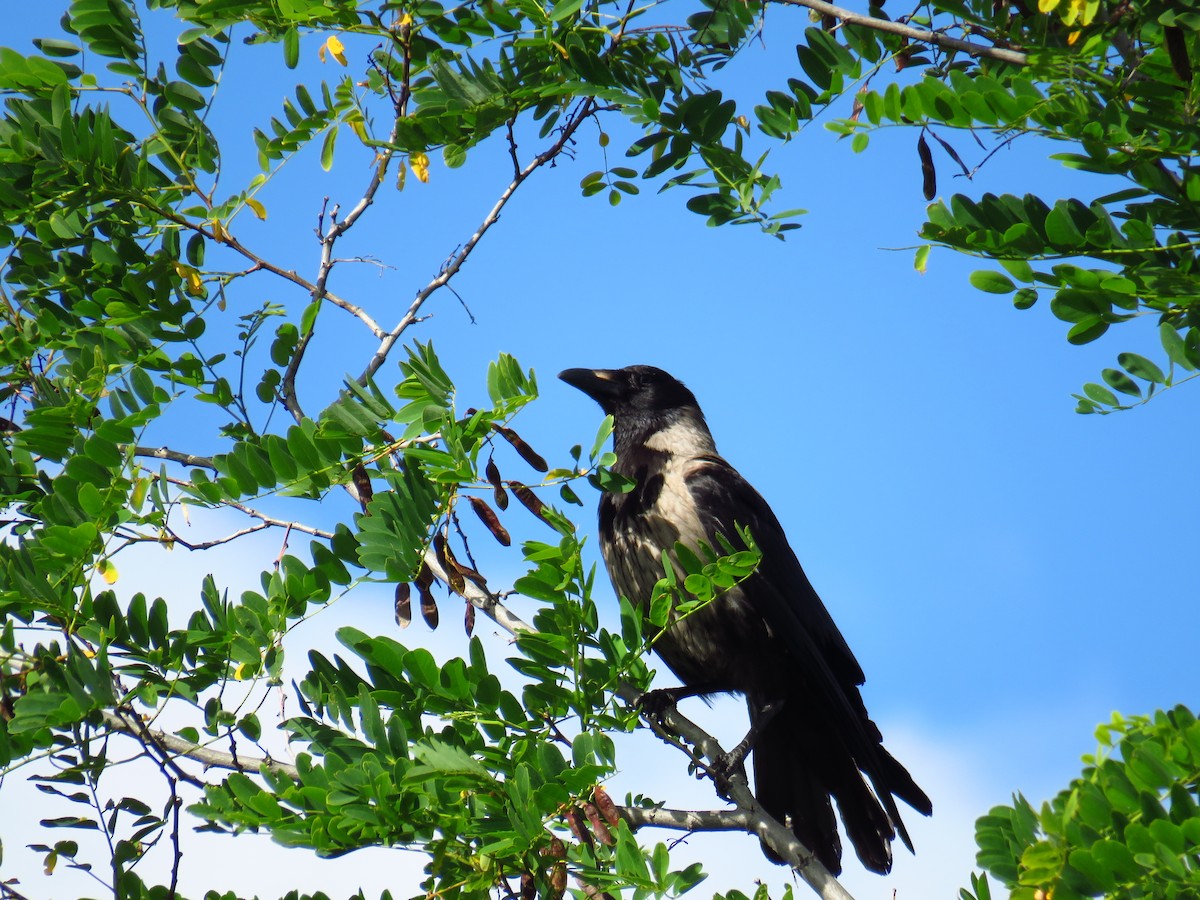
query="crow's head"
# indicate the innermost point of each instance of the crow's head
(635, 392)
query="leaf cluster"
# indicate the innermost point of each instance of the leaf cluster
(1129, 826)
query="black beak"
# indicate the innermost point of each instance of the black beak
(602, 385)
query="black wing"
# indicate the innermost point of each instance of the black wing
(822, 672)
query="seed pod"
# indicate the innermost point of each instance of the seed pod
(362, 484)
(429, 610)
(558, 872)
(928, 173)
(469, 619)
(488, 517)
(605, 804)
(528, 888)
(1177, 50)
(526, 452)
(603, 835)
(453, 575)
(575, 822)
(404, 604)
(493, 477)
(529, 499)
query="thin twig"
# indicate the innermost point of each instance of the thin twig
(920, 35)
(455, 263)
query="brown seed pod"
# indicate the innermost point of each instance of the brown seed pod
(603, 835)
(493, 477)
(558, 872)
(362, 484)
(404, 604)
(529, 499)
(469, 619)
(488, 517)
(928, 173)
(528, 888)
(526, 452)
(446, 558)
(574, 820)
(605, 804)
(1177, 51)
(429, 610)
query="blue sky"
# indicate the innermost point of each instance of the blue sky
(1007, 572)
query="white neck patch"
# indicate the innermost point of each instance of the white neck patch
(684, 437)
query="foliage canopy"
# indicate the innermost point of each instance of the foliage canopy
(123, 241)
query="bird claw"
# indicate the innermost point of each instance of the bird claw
(657, 703)
(726, 767)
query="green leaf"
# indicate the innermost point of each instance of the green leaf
(327, 148)
(992, 282)
(564, 8)
(1100, 394)
(1118, 380)
(1175, 346)
(1142, 368)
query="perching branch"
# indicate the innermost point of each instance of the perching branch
(920, 35)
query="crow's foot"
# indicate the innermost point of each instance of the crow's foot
(658, 703)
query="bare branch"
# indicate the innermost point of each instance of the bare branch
(920, 35)
(208, 756)
(186, 459)
(456, 261)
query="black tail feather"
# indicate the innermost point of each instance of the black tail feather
(796, 772)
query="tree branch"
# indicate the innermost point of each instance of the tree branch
(186, 459)
(921, 35)
(450, 269)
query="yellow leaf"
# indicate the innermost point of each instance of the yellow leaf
(195, 287)
(359, 128)
(141, 488)
(420, 167)
(405, 20)
(259, 209)
(239, 674)
(107, 571)
(1047, 5)
(335, 48)
(401, 177)
(1072, 38)
(743, 123)
(51, 862)
(219, 232)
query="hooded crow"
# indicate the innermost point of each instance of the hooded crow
(769, 638)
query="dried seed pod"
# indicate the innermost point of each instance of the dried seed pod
(1177, 51)
(928, 173)
(558, 872)
(605, 804)
(528, 888)
(574, 820)
(529, 499)
(404, 604)
(488, 517)
(429, 610)
(449, 566)
(493, 477)
(362, 484)
(526, 452)
(603, 835)
(469, 619)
